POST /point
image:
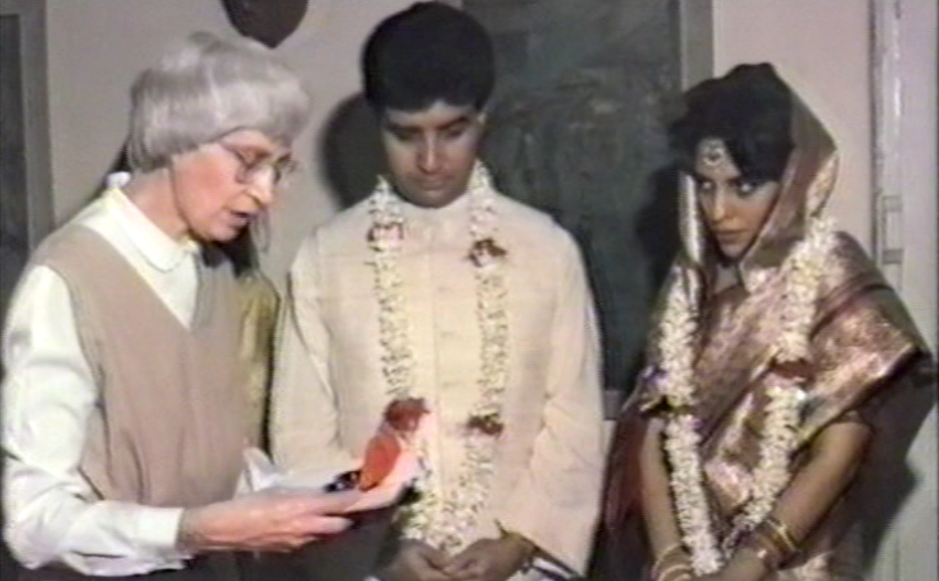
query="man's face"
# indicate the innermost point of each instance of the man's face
(431, 152)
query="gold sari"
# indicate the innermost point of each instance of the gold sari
(259, 304)
(864, 350)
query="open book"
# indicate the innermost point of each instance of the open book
(385, 479)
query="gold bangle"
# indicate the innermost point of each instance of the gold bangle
(783, 533)
(771, 538)
(683, 569)
(660, 560)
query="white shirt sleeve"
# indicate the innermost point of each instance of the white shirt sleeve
(49, 393)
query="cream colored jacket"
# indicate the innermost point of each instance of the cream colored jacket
(329, 392)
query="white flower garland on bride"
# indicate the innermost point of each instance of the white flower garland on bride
(439, 518)
(801, 274)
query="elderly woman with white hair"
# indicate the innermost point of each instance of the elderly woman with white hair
(124, 414)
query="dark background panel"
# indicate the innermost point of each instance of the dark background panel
(577, 130)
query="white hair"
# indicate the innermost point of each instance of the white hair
(206, 87)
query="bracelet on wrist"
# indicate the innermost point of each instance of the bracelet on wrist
(775, 536)
(782, 535)
(674, 572)
(675, 550)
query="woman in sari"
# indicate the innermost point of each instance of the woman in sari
(777, 359)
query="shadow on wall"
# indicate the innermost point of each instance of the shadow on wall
(351, 152)
(887, 478)
(657, 222)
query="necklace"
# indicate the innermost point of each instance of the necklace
(444, 517)
(801, 274)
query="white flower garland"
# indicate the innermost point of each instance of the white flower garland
(438, 518)
(801, 274)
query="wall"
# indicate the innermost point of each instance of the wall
(907, 96)
(96, 48)
(916, 159)
(822, 50)
(326, 52)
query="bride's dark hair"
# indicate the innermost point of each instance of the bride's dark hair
(750, 110)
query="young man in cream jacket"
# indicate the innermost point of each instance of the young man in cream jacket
(438, 287)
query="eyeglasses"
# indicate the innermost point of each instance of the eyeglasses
(254, 167)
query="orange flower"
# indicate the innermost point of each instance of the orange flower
(402, 418)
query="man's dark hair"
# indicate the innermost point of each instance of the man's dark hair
(427, 53)
(750, 110)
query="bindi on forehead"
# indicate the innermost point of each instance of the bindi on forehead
(713, 158)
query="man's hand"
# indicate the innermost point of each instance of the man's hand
(264, 521)
(417, 561)
(490, 559)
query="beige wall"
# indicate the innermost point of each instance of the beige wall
(916, 159)
(908, 148)
(822, 50)
(96, 48)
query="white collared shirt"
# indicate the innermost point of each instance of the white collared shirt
(48, 395)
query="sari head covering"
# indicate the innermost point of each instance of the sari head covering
(809, 305)
(806, 185)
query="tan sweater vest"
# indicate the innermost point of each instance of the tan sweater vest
(169, 426)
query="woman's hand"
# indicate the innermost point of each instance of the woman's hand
(264, 522)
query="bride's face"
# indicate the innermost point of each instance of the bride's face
(735, 208)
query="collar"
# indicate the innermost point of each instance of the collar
(457, 209)
(160, 251)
